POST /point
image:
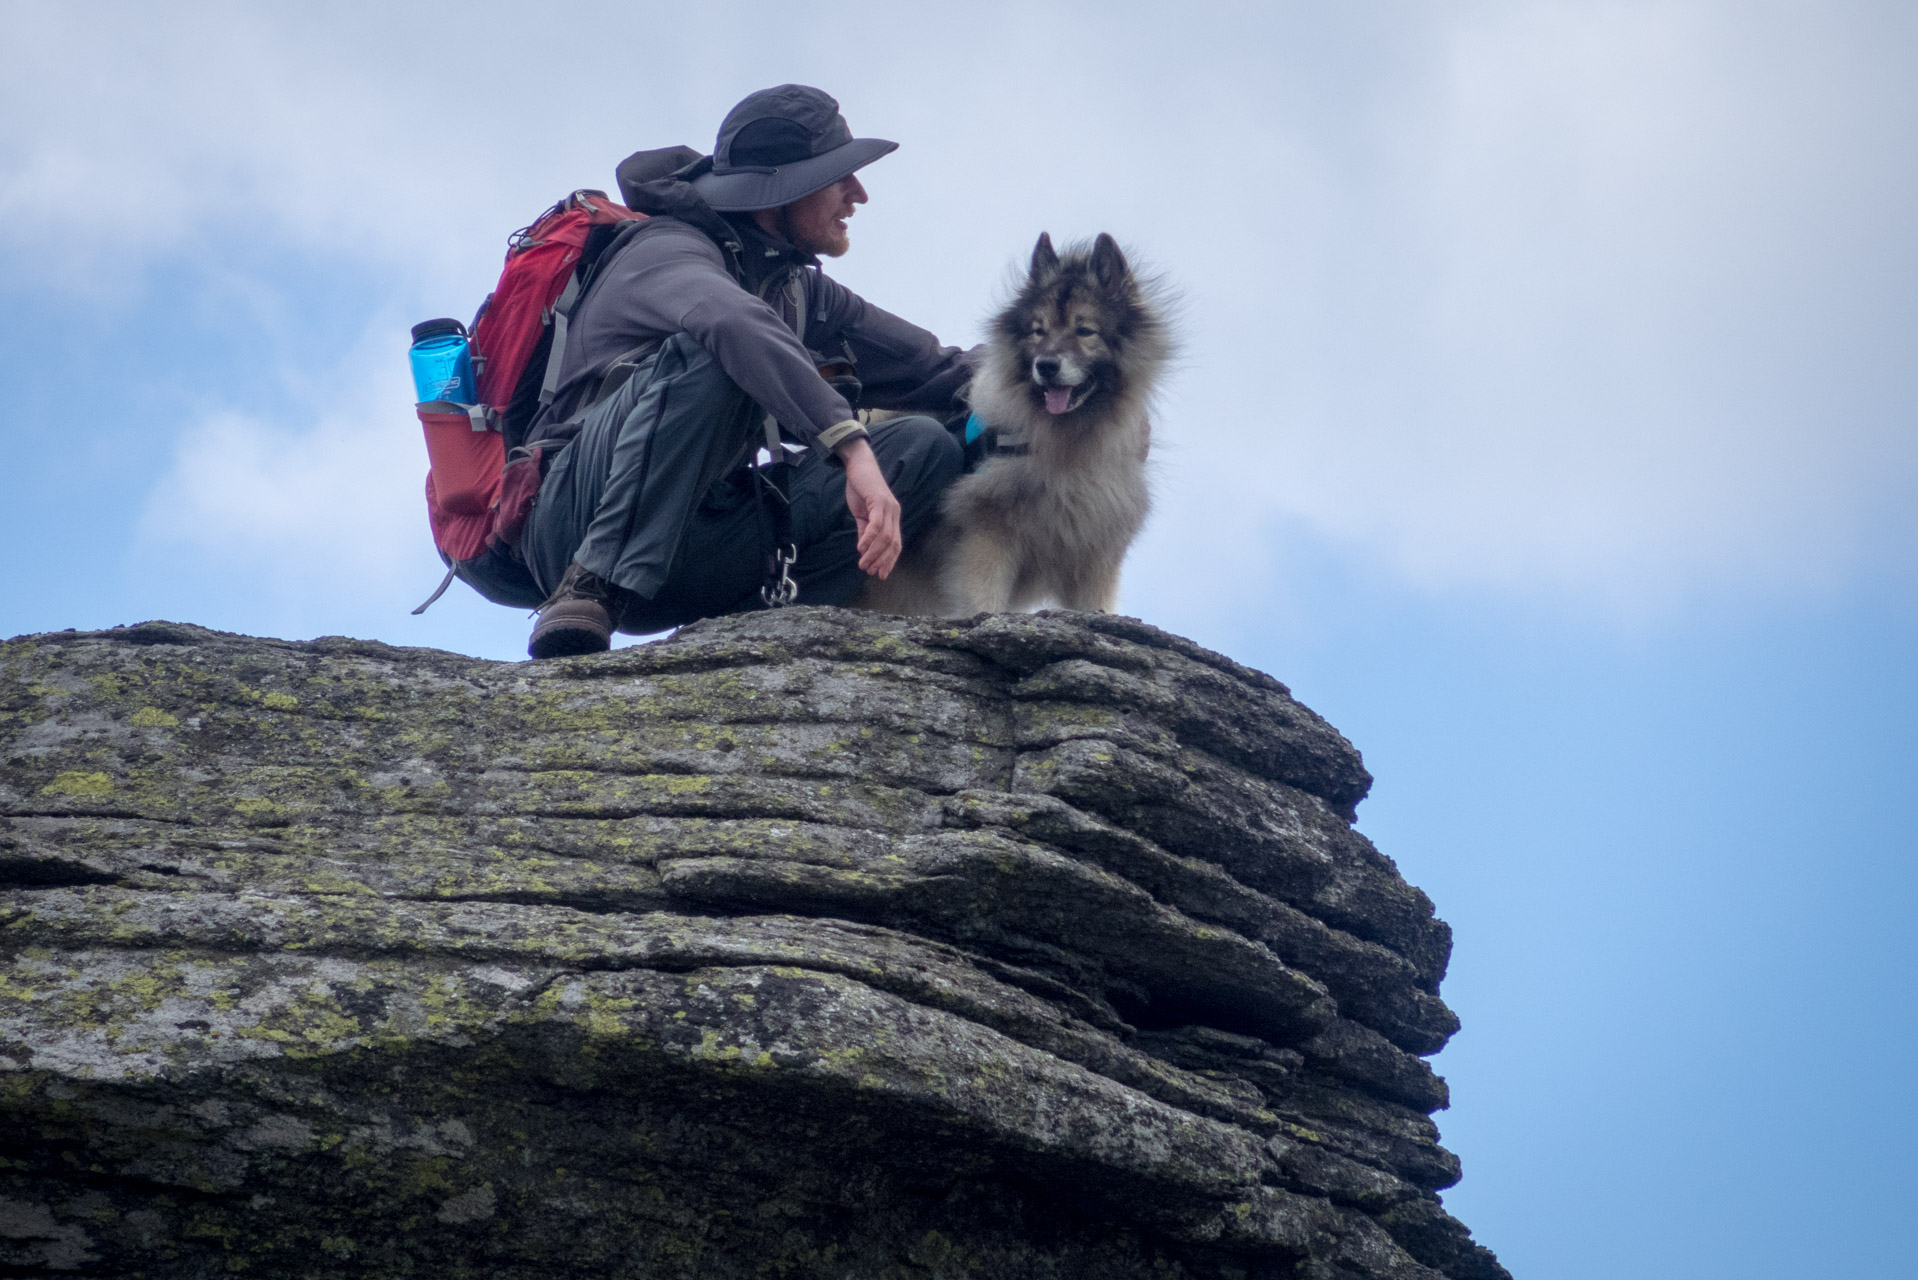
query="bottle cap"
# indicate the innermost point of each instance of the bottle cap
(435, 328)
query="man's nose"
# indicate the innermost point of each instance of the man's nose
(857, 193)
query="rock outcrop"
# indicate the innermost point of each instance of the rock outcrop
(809, 944)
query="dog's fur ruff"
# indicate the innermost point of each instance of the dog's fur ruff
(1069, 372)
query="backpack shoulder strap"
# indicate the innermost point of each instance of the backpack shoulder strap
(568, 302)
(800, 297)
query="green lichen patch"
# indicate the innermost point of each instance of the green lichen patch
(81, 784)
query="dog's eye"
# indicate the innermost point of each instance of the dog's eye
(1086, 331)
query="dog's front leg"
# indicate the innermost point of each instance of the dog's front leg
(1095, 591)
(981, 574)
(912, 588)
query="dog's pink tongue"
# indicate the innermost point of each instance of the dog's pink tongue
(1057, 398)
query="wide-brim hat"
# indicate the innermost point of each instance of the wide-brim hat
(780, 145)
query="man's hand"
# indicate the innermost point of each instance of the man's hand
(875, 512)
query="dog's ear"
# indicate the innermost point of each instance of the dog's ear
(1108, 264)
(1045, 260)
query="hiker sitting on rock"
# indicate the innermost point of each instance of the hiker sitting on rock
(712, 312)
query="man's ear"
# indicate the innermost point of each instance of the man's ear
(1044, 259)
(1108, 263)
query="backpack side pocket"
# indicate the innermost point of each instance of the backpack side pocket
(465, 451)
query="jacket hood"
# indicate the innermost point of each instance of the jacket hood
(660, 184)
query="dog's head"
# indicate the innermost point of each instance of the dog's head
(1081, 330)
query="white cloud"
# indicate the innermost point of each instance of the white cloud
(1607, 300)
(1609, 305)
(327, 501)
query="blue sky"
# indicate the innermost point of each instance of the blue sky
(1546, 419)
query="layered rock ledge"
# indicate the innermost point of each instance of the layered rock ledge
(809, 944)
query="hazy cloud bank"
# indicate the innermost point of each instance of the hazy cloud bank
(1607, 301)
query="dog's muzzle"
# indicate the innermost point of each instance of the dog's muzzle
(1050, 375)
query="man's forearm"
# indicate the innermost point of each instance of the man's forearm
(875, 511)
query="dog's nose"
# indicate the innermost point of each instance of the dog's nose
(1045, 368)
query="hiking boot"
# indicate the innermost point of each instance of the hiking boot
(577, 618)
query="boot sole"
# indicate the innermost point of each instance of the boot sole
(567, 642)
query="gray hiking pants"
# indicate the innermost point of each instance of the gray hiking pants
(654, 495)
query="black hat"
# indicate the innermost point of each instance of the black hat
(779, 145)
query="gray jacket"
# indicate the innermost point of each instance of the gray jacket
(747, 298)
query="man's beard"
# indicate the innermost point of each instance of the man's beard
(828, 241)
(835, 247)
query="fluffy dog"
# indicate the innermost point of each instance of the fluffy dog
(1068, 373)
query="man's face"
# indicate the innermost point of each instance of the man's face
(817, 223)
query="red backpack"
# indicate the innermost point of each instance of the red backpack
(481, 484)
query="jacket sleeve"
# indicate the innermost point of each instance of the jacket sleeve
(673, 282)
(900, 365)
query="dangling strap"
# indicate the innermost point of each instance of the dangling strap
(451, 573)
(779, 589)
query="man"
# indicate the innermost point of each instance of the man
(703, 322)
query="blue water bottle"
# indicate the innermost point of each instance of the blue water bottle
(443, 362)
